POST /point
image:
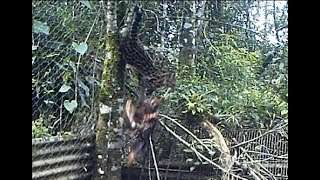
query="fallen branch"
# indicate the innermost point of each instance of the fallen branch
(189, 132)
(260, 165)
(196, 151)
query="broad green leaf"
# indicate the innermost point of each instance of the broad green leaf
(86, 3)
(80, 48)
(64, 88)
(40, 27)
(284, 112)
(70, 106)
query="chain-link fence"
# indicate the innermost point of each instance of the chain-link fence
(65, 84)
(65, 72)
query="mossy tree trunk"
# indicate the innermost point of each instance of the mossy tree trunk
(110, 123)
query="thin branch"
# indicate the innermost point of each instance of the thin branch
(155, 14)
(215, 21)
(282, 27)
(250, 158)
(189, 132)
(154, 158)
(196, 151)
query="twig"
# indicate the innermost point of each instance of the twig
(185, 129)
(205, 36)
(149, 167)
(167, 93)
(154, 158)
(196, 151)
(250, 158)
(155, 14)
(282, 27)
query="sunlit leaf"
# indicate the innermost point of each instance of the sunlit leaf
(64, 88)
(70, 106)
(80, 48)
(86, 3)
(40, 27)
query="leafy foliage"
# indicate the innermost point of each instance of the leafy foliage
(226, 66)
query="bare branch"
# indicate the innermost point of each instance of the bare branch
(154, 158)
(196, 151)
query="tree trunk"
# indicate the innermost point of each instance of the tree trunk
(275, 21)
(110, 123)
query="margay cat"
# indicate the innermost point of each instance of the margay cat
(134, 54)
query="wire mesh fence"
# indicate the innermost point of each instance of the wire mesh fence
(65, 84)
(65, 71)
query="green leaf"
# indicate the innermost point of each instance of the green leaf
(281, 65)
(70, 106)
(187, 25)
(40, 27)
(86, 3)
(72, 65)
(91, 80)
(64, 88)
(283, 112)
(80, 48)
(53, 44)
(200, 147)
(190, 105)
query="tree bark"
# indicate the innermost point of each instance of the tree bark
(109, 133)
